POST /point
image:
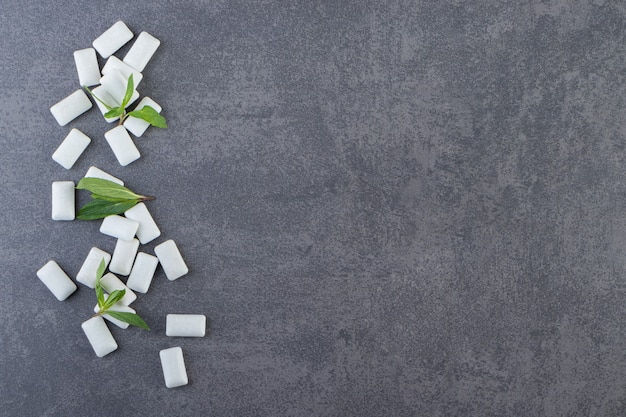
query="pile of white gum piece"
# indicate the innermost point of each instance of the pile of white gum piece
(111, 83)
(137, 226)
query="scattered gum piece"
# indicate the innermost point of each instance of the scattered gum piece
(142, 273)
(56, 280)
(95, 172)
(142, 50)
(171, 260)
(123, 256)
(185, 325)
(87, 67)
(111, 283)
(71, 148)
(71, 107)
(114, 63)
(99, 336)
(119, 227)
(122, 145)
(138, 126)
(112, 39)
(63, 200)
(173, 366)
(87, 273)
(148, 229)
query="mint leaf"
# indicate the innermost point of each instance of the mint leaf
(130, 87)
(150, 115)
(99, 209)
(107, 188)
(130, 318)
(106, 198)
(114, 112)
(99, 291)
(113, 298)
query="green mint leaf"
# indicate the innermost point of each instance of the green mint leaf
(150, 115)
(99, 209)
(99, 291)
(113, 298)
(114, 112)
(130, 318)
(107, 198)
(97, 98)
(107, 188)
(130, 87)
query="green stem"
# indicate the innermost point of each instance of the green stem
(122, 118)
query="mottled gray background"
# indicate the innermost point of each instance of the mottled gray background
(388, 209)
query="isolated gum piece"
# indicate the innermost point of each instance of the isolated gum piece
(87, 273)
(111, 283)
(56, 280)
(124, 256)
(122, 145)
(95, 172)
(116, 307)
(87, 67)
(171, 260)
(115, 84)
(104, 95)
(148, 229)
(114, 63)
(173, 366)
(138, 126)
(142, 273)
(99, 336)
(71, 107)
(185, 325)
(112, 39)
(142, 50)
(71, 148)
(119, 227)
(63, 200)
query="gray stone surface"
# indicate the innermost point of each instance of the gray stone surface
(388, 209)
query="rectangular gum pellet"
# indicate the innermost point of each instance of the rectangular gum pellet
(115, 84)
(99, 336)
(87, 67)
(148, 229)
(71, 148)
(142, 273)
(63, 200)
(95, 172)
(119, 227)
(71, 107)
(87, 273)
(122, 145)
(138, 126)
(56, 280)
(114, 63)
(185, 325)
(112, 39)
(171, 260)
(111, 283)
(123, 256)
(116, 307)
(142, 50)
(173, 366)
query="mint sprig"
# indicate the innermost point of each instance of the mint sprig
(147, 113)
(108, 198)
(105, 304)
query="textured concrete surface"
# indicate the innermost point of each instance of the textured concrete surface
(388, 209)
